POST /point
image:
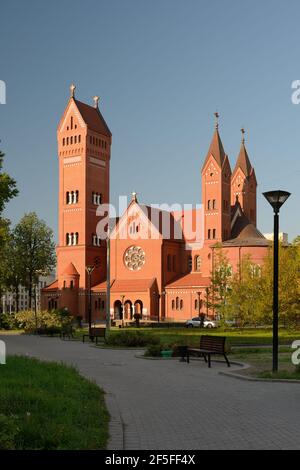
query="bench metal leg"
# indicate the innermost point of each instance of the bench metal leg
(209, 361)
(226, 359)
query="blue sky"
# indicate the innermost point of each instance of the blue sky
(161, 67)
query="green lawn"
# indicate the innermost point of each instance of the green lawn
(234, 336)
(45, 405)
(260, 360)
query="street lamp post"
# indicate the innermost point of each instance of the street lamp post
(107, 284)
(276, 199)
(90, 268)
(122, 306)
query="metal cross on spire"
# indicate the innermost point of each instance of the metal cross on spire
(243, 135)
(72, 90)
(217, 115)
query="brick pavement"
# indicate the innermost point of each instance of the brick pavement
(166, 404)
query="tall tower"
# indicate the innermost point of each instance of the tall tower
(84, 147)
(216, 174)
(244, 184)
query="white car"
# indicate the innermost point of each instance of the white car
(198, 321)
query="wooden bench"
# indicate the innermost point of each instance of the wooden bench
(94, 334)
(209, 345)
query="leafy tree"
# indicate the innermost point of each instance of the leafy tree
(35, 249)
(220, 283)
(289, 285)
(8, 190)
(11, 267)
(246, 300)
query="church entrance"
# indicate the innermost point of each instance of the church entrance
(118, 313)
(138, 307)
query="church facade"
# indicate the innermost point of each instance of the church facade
(160, 260)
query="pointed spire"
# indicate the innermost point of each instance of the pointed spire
(72, 90)
(216, 147)
(243, 161)
(134, 197)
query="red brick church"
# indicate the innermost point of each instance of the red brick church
(161, 260)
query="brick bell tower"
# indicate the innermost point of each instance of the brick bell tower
(244, 184)
(216, 178)
(84, 148)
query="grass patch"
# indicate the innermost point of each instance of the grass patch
(260, 361)
(50, 406)
(191, 336)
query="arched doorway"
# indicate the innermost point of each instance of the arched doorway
(118, 313)
(138, 307)
(128, 310)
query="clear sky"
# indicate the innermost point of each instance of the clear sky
(161, 67)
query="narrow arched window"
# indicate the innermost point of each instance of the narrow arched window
(169, 267)
(181, 304)
(173, 304)
(214, 204)
(67, 197)
(177, 303)
(208, 204)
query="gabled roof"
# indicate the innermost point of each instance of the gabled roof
(93, 118)
(216, 150)
(71, 270)
(126, 285)
(52, 286)
(190, 280)
(243, 162)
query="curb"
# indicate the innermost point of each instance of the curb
(256, 379)
(116, 427)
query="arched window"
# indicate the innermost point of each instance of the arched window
(197, 263)
(181, 304)
(71, 284)
(76, 238)
(177, 303)
(208, 204)
(173, 304)
(77, 196)
(169, 267)
(103, 304)
(214, 233)
(209, 233)
(214, 204)
(196, 304)
(79, 139)
(67, 197)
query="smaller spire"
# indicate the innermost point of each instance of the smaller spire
(134, 197)
(217, 115)
(72, 90)
(96, 100)
(243, 135)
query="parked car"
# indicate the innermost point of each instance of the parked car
(198, 321)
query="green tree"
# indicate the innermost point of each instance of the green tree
(8, 190)
(289, 284)
(220, 283)
(246, 300)
(35, 249)
(11, 268)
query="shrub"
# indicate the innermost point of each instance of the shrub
(154, 350)
(29, 321)
(8, 432)
(7, 321)
(132, 339)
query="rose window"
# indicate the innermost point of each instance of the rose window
(134, 258)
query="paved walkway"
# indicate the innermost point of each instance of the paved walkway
(166, 404)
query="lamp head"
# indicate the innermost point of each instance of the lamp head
(276, 199)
